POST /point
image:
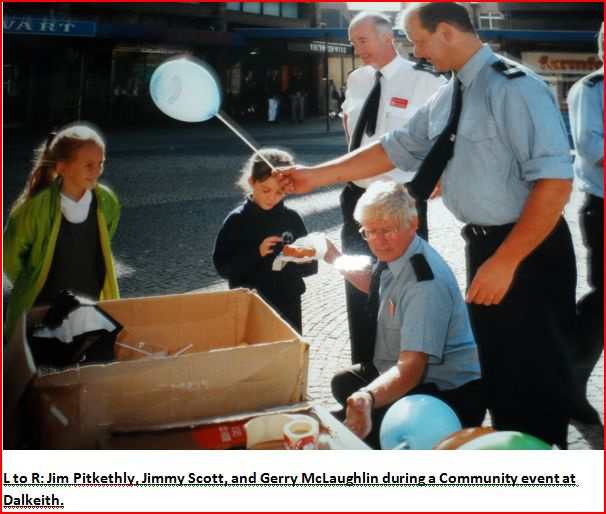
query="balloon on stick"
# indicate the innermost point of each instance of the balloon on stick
(188, 90)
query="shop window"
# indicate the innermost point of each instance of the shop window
(132, 69)
(330, 17)
(233, 6)
(492, 20)
(271, 8)
(290, 10)
(251, 7)
(14, 88)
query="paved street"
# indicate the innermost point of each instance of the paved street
(175, 183)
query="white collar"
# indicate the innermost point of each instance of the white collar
(391, 68)
(76, 212)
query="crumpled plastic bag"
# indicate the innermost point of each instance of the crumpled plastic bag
(74, 331)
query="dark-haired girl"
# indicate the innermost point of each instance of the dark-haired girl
(251, 237)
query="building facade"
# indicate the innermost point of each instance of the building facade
(66, 61)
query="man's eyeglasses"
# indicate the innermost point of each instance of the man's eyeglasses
(387, 233)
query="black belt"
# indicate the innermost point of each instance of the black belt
(475, 231)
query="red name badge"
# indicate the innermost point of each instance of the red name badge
(402, 103)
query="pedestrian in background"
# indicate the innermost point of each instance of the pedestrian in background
(381, 96)
(333, 99)
(59, 230)
(586, 109)
(342, 92)
(297, 91)
(251, 237)
(273, 89)
(496, 139)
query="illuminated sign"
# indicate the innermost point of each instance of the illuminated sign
(48, 27)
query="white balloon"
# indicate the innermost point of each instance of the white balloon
(185, 90)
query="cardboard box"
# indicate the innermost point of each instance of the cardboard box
(228, 433)
(213, 377)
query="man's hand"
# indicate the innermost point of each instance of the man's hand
(268, 244)
(358, 419)
(491, 282)
(540, 215)
(295, 179)
(332, 252)
(437, 191)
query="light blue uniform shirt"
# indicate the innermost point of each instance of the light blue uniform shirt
(510, 134)
(586, 108)
(426, 316)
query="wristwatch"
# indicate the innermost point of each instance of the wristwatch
(372, 397)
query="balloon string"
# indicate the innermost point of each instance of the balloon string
(241, 136)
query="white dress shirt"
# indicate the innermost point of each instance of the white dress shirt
(404, 90)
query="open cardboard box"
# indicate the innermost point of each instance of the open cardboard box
(214, 377)
(227, 432)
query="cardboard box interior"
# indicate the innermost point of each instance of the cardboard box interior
(240, 356)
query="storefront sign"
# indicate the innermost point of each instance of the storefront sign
(319, 47)
(550, 63)
(48, 27)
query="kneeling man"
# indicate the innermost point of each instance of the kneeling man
(423, 343)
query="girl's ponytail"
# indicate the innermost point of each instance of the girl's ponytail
(59, 146)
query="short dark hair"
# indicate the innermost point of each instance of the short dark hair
(433, 13)
(257, 169)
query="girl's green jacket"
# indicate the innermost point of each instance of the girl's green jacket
(29, 244)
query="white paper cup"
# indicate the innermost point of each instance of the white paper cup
(301, 434)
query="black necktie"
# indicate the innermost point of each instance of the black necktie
(367, 122)
(432, 167)
(372, 312)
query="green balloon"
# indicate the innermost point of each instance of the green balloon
(506, 441)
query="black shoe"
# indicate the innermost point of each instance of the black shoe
(583, 411)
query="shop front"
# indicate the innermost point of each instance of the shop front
(561, 70)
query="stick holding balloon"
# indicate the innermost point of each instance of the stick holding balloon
(188, 90)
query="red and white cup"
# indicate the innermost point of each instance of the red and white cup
(302, 434)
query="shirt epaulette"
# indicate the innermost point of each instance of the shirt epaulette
(420, 66)
(509, 70)
(421, 267)
(594, 78)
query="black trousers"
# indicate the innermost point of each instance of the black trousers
(289, 309)
(525, 341)
(590, 309)
(468, 401)
(352, 243)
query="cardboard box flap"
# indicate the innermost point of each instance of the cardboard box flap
(335, 435)
(191, 386)
(19, 367)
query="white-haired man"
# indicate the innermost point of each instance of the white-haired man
(423, 341)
